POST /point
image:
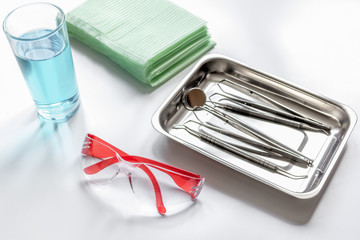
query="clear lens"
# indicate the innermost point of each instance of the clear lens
(117, 195)
(104, 176)
(174, 198)
(116, 182)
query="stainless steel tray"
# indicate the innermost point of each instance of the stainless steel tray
(324, 149)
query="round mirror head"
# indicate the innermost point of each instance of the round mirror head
(195, 97)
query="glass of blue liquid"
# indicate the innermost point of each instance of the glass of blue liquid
(38, 37)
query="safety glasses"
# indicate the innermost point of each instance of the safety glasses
(164, 185)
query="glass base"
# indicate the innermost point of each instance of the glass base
(61, 111)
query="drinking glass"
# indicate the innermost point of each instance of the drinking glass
(38, 37)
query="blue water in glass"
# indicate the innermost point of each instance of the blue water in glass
(48, 69)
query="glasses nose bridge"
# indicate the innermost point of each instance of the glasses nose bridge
(126, 167)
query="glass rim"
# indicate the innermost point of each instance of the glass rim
(37, 38)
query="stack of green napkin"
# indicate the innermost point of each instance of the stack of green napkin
(151, 39)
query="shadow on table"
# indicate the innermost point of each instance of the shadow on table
(238, 186)
(29, 142)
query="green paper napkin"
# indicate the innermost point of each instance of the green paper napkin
(151, 39)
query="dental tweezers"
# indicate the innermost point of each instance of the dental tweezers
(267, 148)
(268, 117)
(292, 115)
(242, 126)
(222, 144)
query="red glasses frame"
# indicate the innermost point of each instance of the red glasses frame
(96, 147)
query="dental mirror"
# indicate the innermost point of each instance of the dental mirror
(195, 97)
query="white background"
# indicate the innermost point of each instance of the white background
(314, 44)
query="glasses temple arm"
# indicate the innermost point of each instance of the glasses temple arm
(189, 182)
(158, 196)
(103, 143)
(144, 160)
(135, 159)
(97, 167)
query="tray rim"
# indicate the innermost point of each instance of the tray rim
(303, 195)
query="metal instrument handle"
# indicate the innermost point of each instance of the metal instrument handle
(294, 115)
(260, 161)
(219, 143)
(265, 147)
(236, 123)
(229, 147)
(262, 115)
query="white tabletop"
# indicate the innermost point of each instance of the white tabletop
(313, 44)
